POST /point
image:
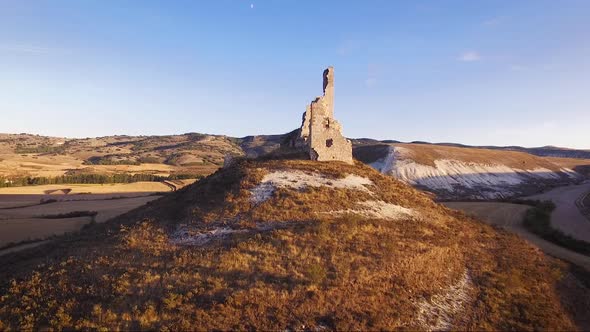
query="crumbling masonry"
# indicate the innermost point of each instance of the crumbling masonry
(320, 132)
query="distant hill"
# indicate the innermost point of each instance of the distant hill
(191, 153)
(544, 151)
(452, 171)
(456, 173)
(290, 245)
(254, 146)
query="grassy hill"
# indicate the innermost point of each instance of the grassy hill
(278, 245)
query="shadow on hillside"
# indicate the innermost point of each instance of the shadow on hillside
(370, 153)
(583, 169)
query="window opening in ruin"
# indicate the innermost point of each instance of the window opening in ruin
(329, 142)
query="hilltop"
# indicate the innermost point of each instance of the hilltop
(292, 244)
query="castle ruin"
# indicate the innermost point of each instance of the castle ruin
(320, 133)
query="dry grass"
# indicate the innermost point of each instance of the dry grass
(316, 271)
(12, 164)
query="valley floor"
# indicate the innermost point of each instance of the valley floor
(510, 217)
(567, 216)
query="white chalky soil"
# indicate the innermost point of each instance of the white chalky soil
(491, 180)
(379, 210)
(299, 180)
(439, 313)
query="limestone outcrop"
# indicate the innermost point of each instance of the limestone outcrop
(320, 133)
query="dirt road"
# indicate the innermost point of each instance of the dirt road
(567, 216)
(510, 217)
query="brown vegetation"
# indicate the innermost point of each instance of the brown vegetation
(309, 270)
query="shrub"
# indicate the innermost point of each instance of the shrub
(149, 160)
(108, 160)
(73, 214)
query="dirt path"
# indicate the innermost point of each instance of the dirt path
(510, 216)
(567, 216)
(170, 185)
(22, 247)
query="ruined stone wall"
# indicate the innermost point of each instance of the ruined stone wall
(320, 132)
(303, 139)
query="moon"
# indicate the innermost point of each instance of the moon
(251, 6)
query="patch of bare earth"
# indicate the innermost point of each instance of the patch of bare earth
(439, 312)
(380, 210)
(298, 180)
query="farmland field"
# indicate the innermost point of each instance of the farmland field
(35, 213)
(111, 188)
(38, 222)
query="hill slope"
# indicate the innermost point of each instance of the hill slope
(470, 173)
(291, 245)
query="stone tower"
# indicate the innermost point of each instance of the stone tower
(320, 132)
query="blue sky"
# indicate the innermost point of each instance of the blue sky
(472, 72)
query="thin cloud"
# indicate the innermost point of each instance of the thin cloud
(469, 56)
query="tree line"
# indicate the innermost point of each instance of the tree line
(90, 179)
